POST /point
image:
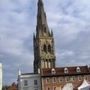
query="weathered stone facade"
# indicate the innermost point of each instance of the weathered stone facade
(44, 56)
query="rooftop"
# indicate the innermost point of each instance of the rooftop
(60, 71)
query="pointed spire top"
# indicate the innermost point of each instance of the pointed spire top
(42, 26)
(40, 1)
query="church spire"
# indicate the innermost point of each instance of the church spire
(43, 42)
(42, 26)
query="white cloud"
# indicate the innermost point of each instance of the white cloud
(69, 20)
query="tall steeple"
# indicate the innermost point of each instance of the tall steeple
(43, 42)
(42, 26)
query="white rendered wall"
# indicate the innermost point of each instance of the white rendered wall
(68, 86)
(86, 88)
(30, 79)
(0, 76)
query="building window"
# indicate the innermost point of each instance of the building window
(53, 71)
(49, 48)
(47, 80)
(35, 82)
(67, 79)
(54, 88)
(60, 79)
(72, 78)
(79, 78)
(78, 69)
(48, 88)
(54, 79)
(66, 70)
(25, 83)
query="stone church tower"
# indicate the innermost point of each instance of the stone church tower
(43, 41)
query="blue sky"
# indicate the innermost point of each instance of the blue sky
(69, 20)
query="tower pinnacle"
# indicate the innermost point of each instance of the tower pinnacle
(42, 26)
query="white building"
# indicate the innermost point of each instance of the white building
(29, 81)
(68, 86)
(84, 86)
(0, 76)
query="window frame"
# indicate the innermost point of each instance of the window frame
(35, 82)
(25, 82)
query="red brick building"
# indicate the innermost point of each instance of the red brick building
(56, 78)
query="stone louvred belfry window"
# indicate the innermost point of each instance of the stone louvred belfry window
(45, 48)
(49, 48)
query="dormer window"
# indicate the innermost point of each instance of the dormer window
(53, 71)
(65, 70)
(78, 69)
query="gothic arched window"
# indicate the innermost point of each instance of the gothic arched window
(49, 48)
(45, 48)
